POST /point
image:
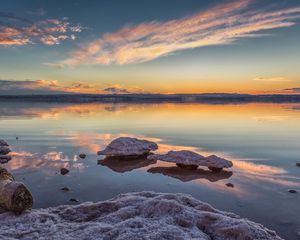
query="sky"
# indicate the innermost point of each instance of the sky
(170, 46)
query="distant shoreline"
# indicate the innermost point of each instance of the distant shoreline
(153, 98)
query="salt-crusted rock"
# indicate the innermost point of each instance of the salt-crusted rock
(183, 158)
(216, 163)
(189, 159)
(4, 150)
(3, 143)
(126, 146)
(144, 215)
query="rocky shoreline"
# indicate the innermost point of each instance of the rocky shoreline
(140, 215)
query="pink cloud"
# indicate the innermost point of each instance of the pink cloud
(222, 24)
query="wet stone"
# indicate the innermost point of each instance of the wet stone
(64, 171)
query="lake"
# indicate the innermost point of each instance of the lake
(262, 140)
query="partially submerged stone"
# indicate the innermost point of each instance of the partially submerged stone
(4, 150)
(127, 146)
(4, 158)
(143, 215)
(183, 158)
(298, 164)
(64, 171)
(3, 143)
(216, 163)
(189, 159)
(82, 155)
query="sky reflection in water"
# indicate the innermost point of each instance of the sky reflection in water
(263, 141)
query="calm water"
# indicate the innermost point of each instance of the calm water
(263, 141)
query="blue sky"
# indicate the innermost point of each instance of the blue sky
(150, 46)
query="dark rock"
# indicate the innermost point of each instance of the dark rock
(64, 171)
(293, 191)
(4, 150)
(298, 164)
(3, 143)
(74, 200)
(82, 155)
(66, 189)
(229, 185)
(4, 159)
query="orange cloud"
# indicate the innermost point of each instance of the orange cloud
(272, 79)
(147, 41)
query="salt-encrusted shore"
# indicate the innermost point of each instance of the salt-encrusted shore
(143, 215)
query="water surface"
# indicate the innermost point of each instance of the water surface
(263, 141)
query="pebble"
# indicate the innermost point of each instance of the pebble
(293, 191)
(65, 189)
(229, 185)
(82, 155)
(74, 200)
(64, 171)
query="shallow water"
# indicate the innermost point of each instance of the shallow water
(263, 141)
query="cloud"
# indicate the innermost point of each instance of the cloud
(293, 90)
(54, 65)
(11, 87)
(16, 31)
(272, 79)
(222, 24)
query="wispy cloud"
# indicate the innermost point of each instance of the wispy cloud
(272, 79)
(18, 31)
(222, 24)
(293, 90)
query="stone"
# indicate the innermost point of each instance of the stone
(127, 146)
(4, 158)
(183, 158)
(293, 191)
(298, 164)
(64, 171)
(74, 200)
(141, 215)
(66, 189)
(3, 143)
(191, 160)
(229, 185)
(4, 150)
(82, 155)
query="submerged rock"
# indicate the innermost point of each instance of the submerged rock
(126, 146)
(144, 215)
(189, 159)
(82, 155)
(298, 164)
(66, 189)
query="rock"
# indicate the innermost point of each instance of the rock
(183, 158)
(66, 189)
(229, 185)
(142, 215)
(4, 150)
(293, 191)
(298, 164)
(74, 200)
(82, 155)
(64, 171)
(3, 143)
(126, 146)
(4, 159)
(189, 159)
